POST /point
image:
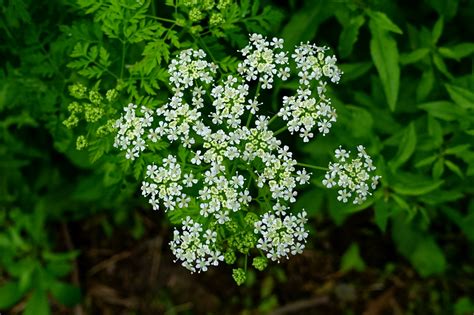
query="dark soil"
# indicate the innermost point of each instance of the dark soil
(123, 275)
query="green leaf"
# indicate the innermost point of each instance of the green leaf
(441, 66)
(37, 304)
(457, 52)
(10, 294)
(351, 259)
(414, 56)
(349, 35)
(426, 161)
(438, 168)
(437, 30)
(382, 213)
(353, 71)
(425, 85)
(457, 149)
(383, 49)
(464, 306)
(419, 247)
(435, 131)
(461, 96)
(417, 188)
(304, 24)
(443, 110)
(66, 294)
(454, 168)
(406, 147)
(428, 258)
(383, 22)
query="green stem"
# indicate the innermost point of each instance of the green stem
(273, 119)
(124, 49)
(313, 166)
(276, 133)
(161, 19)
(245, 266)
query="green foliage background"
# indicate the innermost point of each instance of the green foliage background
(407, 93)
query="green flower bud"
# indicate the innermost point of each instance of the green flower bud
(239, 275)
(195, 15)
(223, 4)
(93, 114)
(95, 97)
(71, 122)
(181, 22)
(229, 257)
(251, 218)
(196, 29)
(81, 143)
(260, 263)
(207, 4)
(216, 19)
(78, 90)
(74, 108)
(231, 226)
(111, 95)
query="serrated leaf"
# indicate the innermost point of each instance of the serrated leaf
(384, 51)
(383, 22)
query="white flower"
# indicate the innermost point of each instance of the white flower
(195, 248)
(281, 236)
(352, 176)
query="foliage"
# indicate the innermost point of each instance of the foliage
(406, 94)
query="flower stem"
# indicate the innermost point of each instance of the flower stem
(276, 133)
(313, 166)
(273, 119)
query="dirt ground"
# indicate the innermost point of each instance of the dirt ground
(122, 275)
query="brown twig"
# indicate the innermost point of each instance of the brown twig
(295, 307)
(108, 262)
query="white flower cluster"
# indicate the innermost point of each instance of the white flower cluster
(353, 176)
(304, 111)
(190, 67)
(194, 247)
(280, 237)
(167, 185)
(225, 160)
(263, 60)
(130, 130)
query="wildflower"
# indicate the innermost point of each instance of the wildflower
(352, 176)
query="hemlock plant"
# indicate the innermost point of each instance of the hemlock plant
(228, 180)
